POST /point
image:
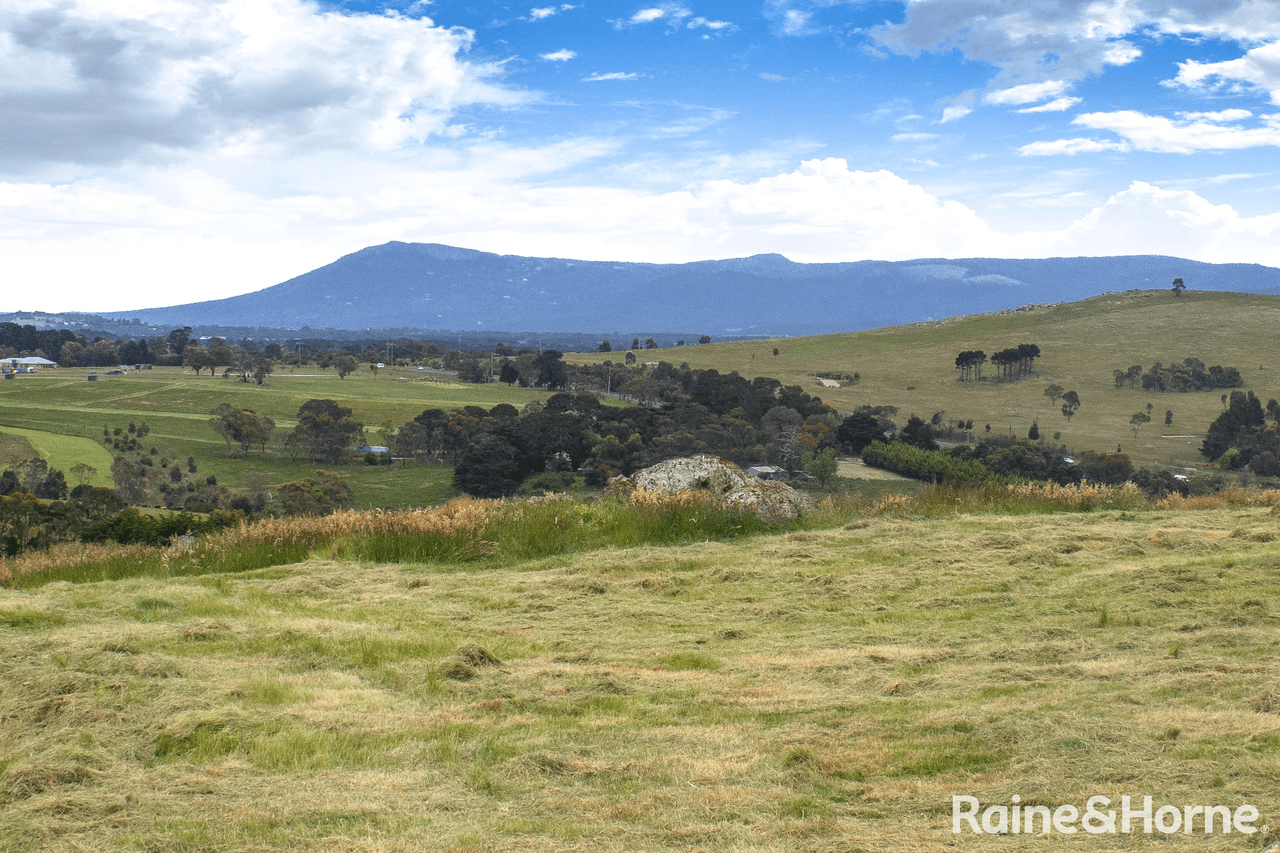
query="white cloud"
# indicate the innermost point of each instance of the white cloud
(129, 235)
(1078, 145)
(1145, 219)
(543, 12)
(645, 16)
(700, 21)
(914, 137)
(1157, 133)
(1027, 93)
(1258, 68)
(612, 75)
(1057, 105)
(1218, 116)
(562, 55)
(776, 78)
(92, 82)
(1067, 40)
(797, 17)
(955, 112)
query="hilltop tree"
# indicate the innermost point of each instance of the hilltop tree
(1053, 392)
(605, 346)
(969, 363)
(1178, 287)
(705, 339)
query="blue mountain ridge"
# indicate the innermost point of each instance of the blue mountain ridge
(432, 286)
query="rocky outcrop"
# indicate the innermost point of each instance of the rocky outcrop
(770, 500)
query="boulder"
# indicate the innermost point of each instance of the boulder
(769, 499)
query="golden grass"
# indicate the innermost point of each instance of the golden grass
(814, 690)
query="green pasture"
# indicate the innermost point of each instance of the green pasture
(66, 414)
(64, 452)
(1082, 343)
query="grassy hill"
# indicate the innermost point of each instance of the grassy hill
(813, 691)
(913, 367)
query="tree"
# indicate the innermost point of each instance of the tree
(860, 429)
(820, 463)
(635, 343)
(919, 434)
(178, 340)
(197, 358)
(1138, 421)
(630, 357)
(1070, 402)
(83, 472)
(605, 346)
(649, 344)
(345, 364)
(509, 373)
(241, 426)
(551, 372)
(325, 430)
(1178, 287)
(705, 339)
(1034, 432)
(490, 467)
(1053, 392)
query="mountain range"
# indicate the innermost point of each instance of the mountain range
(432, 286)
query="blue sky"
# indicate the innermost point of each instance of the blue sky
(164, 151)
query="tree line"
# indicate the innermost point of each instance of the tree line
(1190, 374)
(1013, 363)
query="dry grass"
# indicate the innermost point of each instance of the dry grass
(813, 690)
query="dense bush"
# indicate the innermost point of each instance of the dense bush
(928, 465)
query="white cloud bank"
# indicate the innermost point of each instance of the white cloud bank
(144, 243)
(96, 82)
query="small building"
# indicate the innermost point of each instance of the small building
(828, 383)
(768, 472)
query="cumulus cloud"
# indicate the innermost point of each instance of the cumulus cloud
(562, 55)
(1145, 219)
(90, 82)
(1259, 68)
(131, 234)
(1040, 40)
(955, 112)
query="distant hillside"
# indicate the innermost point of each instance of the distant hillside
(430, 286)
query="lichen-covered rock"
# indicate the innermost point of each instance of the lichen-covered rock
(770, 500)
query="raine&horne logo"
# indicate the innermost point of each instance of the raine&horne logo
(1097, 819)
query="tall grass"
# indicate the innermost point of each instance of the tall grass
(504, 533)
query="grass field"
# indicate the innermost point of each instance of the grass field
(913, 367)
(818, 690)
(175, 405)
